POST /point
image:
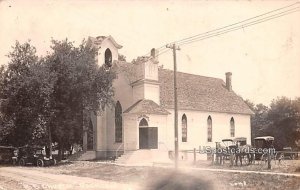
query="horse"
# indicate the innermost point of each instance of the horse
(220, 153)
(241, 151)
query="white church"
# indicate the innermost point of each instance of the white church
(142, 120)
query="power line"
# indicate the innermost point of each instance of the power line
(205, 33)
(239, 27)
(229, 28)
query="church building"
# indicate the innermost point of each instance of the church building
(143, 116)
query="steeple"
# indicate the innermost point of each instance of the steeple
(107, 49)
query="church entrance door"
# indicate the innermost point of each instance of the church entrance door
(148, 138)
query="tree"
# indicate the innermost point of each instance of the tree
(24, 92)
(51, 98)
(284, 118)
(259, 121)
(281, 120)
(81, 87)
(121, 57)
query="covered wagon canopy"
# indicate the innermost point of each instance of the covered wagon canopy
(228, 139)
(240, 139)
(235, 139)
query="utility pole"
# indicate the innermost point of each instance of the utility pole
(174, 48)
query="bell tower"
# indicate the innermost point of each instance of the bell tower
(107, 49)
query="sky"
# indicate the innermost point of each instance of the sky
(264, 59)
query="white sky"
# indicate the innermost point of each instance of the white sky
(264, 58)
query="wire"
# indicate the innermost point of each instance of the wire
(240, 27)
(163, 52)
(205, 33)
(220, 31)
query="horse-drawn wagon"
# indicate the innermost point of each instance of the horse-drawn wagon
(234, 149)
(264, 146)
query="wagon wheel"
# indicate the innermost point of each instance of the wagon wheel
(39, 163)
(293, 157)
(22, 162)
(263, 159)
(246, 160)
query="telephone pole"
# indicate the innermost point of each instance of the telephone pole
(174, 48)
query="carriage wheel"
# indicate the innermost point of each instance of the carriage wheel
(39, 163)
(263, 159)
(22, 162)
(246, 160)
(293, 157)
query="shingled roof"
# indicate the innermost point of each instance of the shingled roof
(199, 93)
(146, 107)
(195, 92)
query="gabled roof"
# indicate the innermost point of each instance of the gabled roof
(194, 92)
(146, 107)
(199, 93)
(97, 41)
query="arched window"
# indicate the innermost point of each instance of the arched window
(108, 57)
(232, 127)
(184, 128)
(118, 122)
(143, 123)
(209, 129)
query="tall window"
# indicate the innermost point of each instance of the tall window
(118, 122)
(209, 129)
(184, 128)
(108, 57)
(232, 127)
(143, 123)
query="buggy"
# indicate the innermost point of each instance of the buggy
(238, 149)
(289, 153)
(262, 145)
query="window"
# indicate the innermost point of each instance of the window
(118, 122)
(209, 129)
(108, 57)
(184, 128)
(232, 127)
(143, 123)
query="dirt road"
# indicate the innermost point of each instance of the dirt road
(12, 178)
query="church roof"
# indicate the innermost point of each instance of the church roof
(199, 93)
(97, 41)
(194, 92)
(146, 107)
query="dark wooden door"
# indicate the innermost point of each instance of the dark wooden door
(152, 137)
(148, 138)
(143, 133)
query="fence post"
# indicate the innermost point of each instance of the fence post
(269, 159)
(195, 156)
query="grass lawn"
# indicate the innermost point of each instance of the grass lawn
(168, 178)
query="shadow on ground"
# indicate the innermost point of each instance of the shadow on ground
(177, 181)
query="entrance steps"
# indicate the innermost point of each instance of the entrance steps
(144, 157)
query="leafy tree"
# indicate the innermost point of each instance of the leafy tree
(281, 120)
(51, 97)
(24, 90)
(121, 57)
(81, 87)
(259, 121)
(284, 118)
